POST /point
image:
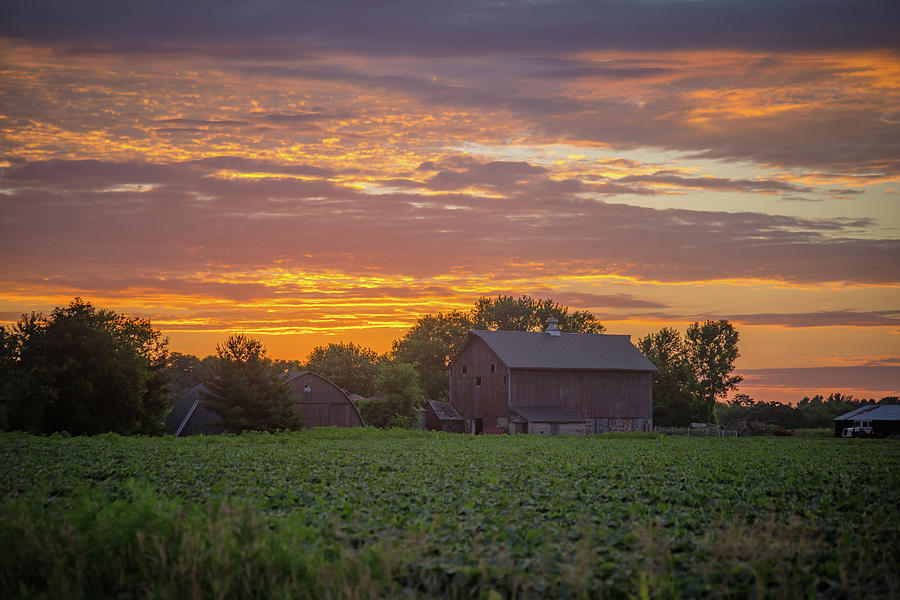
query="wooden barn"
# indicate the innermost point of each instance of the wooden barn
(551, 382)
(322, 403)
(441, 416)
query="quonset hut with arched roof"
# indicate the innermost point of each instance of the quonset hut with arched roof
(319, 400)
(322, 403)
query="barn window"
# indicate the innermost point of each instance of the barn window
(464, 369)
(307, 388)
(478, 381)
(492, 367)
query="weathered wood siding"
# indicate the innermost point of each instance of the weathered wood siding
(324, 404)
(590, 394)
(488, 400)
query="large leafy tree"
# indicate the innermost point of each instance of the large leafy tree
(351, 367)
(247, 390)
(674, 384)
(399, 395)
(712, 348)
(432, 342)
(694, 370)
(505, 313)
(83, 370)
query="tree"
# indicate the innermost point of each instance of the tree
(351, 367)
(711, 351)
(83, 370)
(505, 313)
(401, 395)
(246, 389)
(430, 344)
(674, 384)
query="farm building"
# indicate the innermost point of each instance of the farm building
(551, 382)
(441, 416)
(884, 419)
(189, 417)
(321, 402)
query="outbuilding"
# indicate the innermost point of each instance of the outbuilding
(552, 382)
(441, 416)
(319, 400)
(190, 417)
(884, 419)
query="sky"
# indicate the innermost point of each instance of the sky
(318, 172)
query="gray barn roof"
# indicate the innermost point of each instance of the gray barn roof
(577, 351)
(445, 411)
(190, 417)
(855, 412)
(881, 412)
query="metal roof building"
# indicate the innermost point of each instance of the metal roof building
(885, 418)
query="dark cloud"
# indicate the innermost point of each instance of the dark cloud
(204, 123)
(765, 186)
(833, 318)
(825, 380)
(586, 300)
(470, 27)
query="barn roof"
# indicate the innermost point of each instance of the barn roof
(445, 411)
(190, 417)
(288, 377)
(882, 412)
(855, 412)
(546, 414)
(578, 351)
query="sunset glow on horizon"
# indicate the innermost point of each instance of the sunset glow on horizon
(331, 172)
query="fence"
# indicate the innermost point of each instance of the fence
(697, 431)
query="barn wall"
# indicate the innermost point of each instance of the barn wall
(590, 394)
(487, 401)
(324, 405)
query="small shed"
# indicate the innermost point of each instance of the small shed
(441, 416)
(885, 419)
(321, 402)
(546, 420)
(190, 417)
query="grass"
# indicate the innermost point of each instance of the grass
(369, 514)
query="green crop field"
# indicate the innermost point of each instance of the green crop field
(358, 513)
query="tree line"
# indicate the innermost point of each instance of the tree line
(87, 370)
(810, 413)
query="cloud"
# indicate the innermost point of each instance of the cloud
(833, 318)
(885, 379)
(61, 216)
(764, 186)
(204, 123)
(580, 300)
(470, 27)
